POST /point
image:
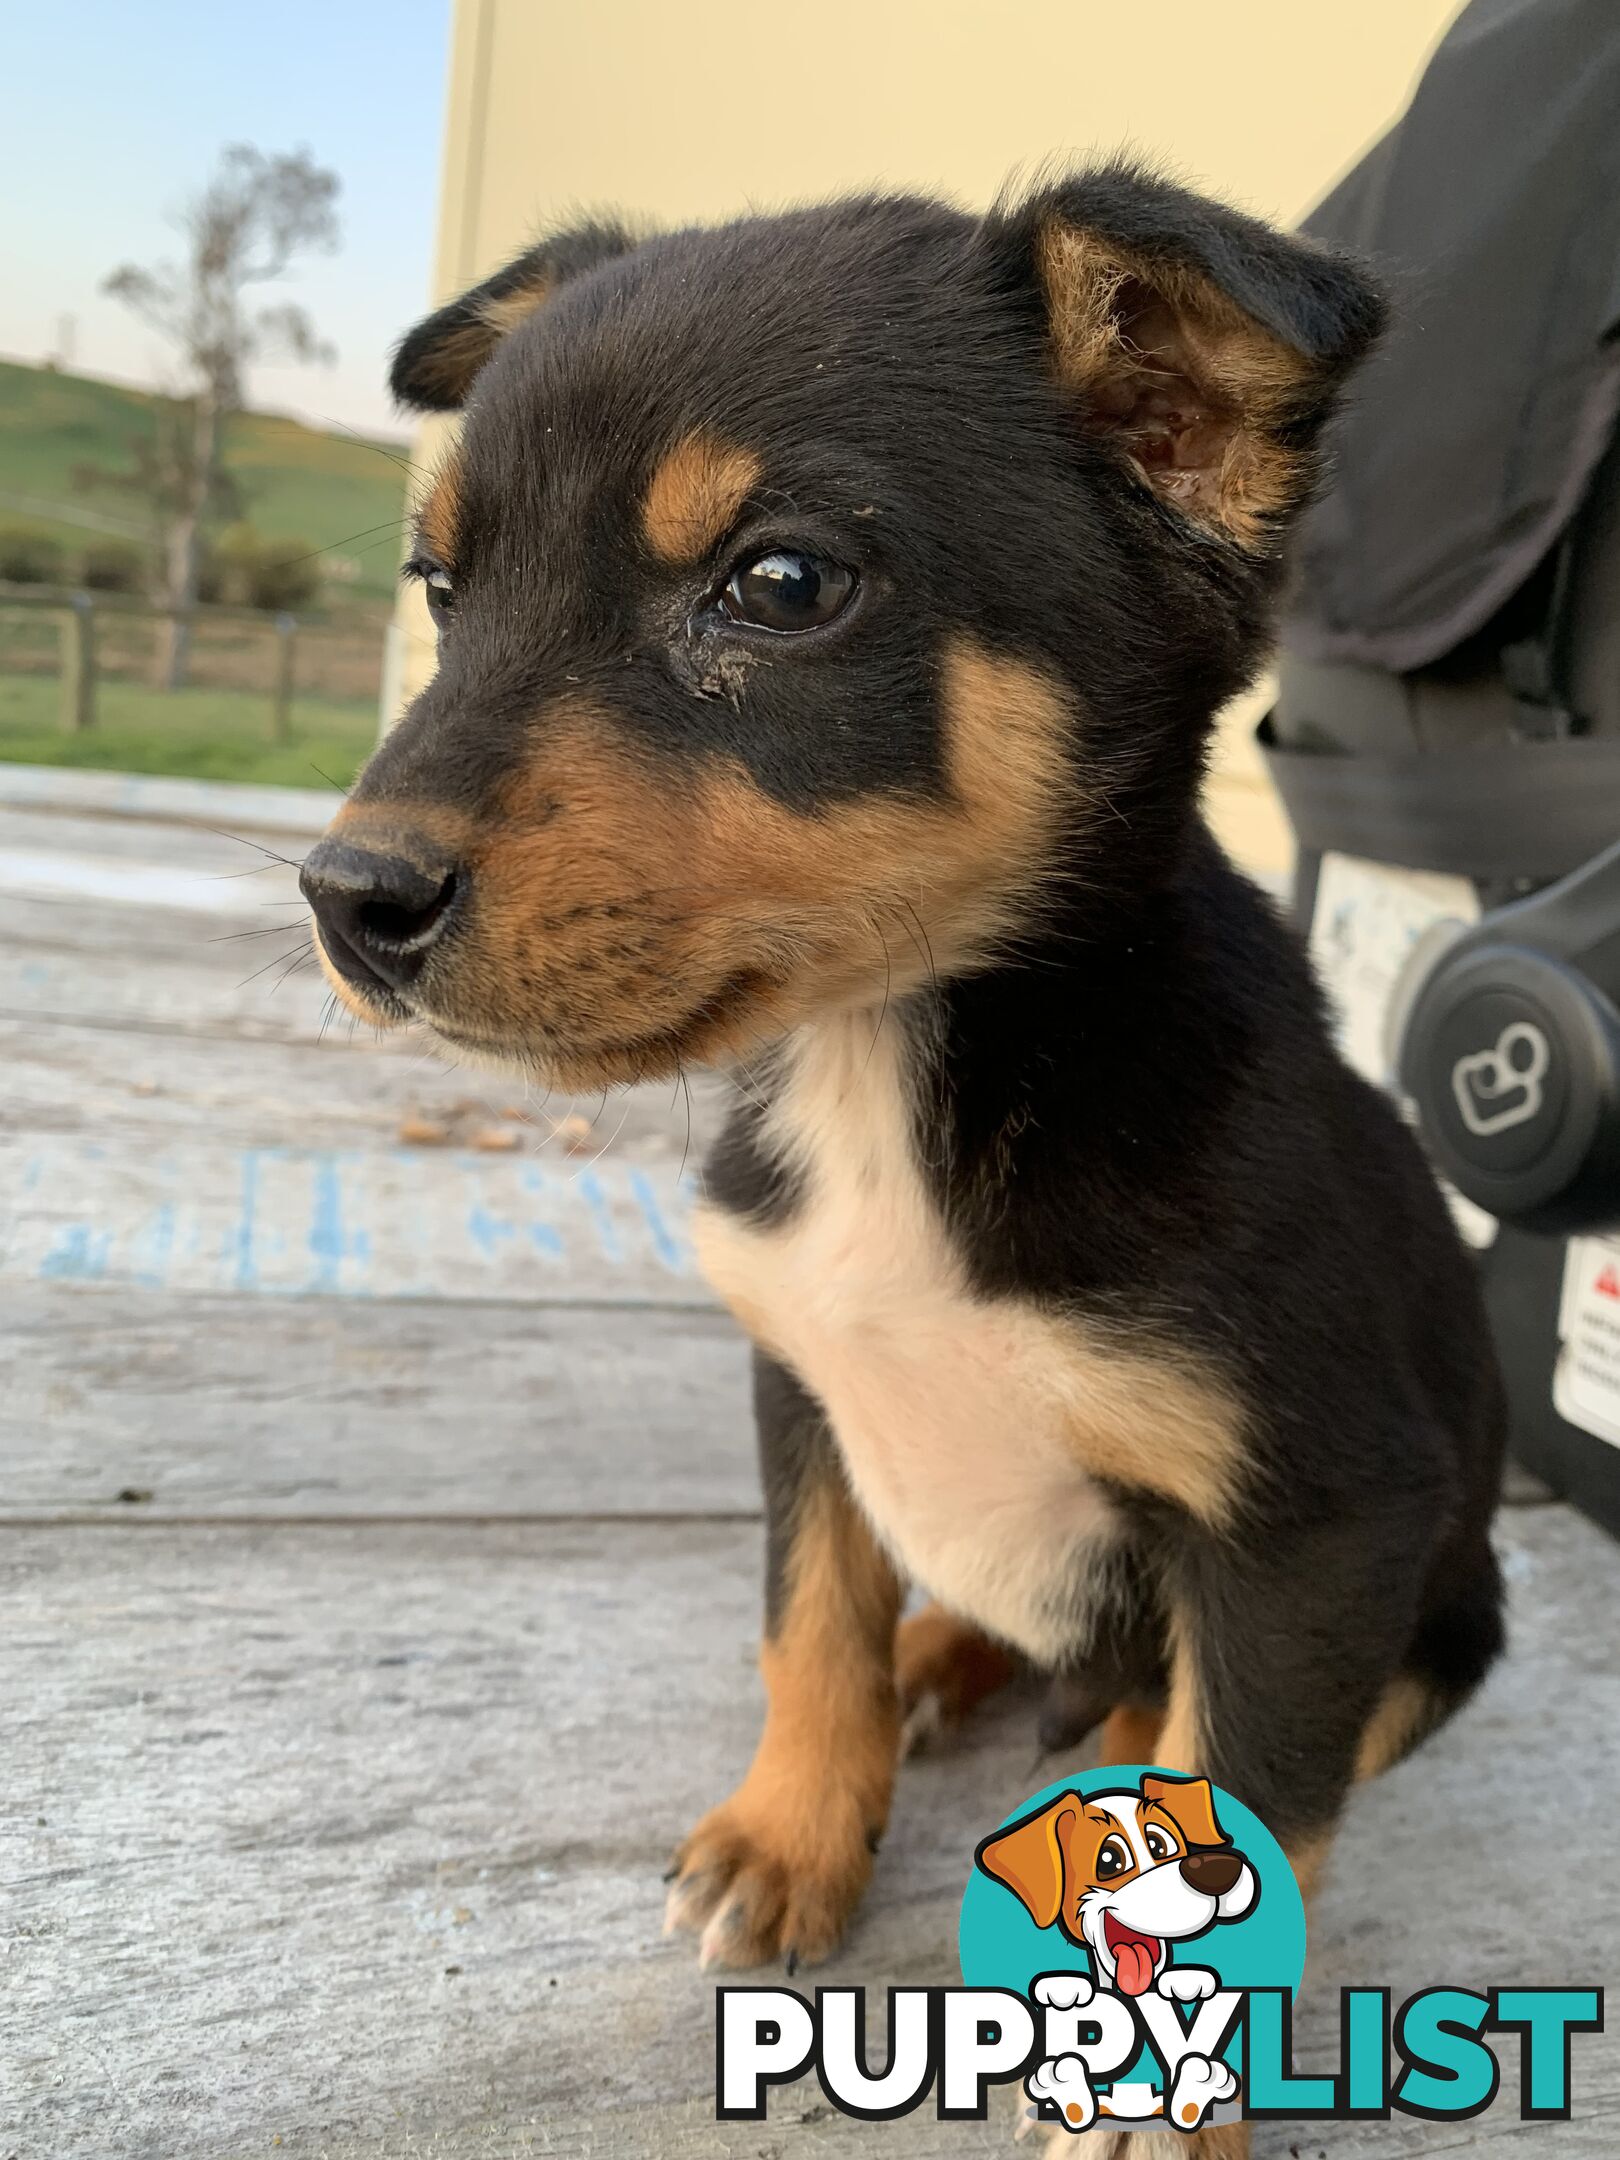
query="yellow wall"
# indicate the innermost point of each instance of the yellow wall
(682, 112)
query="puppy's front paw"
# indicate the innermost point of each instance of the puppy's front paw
(755, 1883)
(943, 1668)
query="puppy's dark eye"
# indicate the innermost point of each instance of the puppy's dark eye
(1158, 1842)
(788, 590)
(1114, 1858)
(440, 589)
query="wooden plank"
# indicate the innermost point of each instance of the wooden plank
(148, 798)
(357, 1222)
(146, 1084)
(250, 1407)
(206, 879)
(103, 969)
(288, 1779)
(270, 1786)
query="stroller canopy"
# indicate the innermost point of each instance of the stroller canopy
(1493, 209)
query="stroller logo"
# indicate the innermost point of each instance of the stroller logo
(1499, 1088)
(1131, 1944)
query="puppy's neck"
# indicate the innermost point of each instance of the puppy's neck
(846, 1086)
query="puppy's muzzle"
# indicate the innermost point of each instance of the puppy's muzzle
(379, 915)
(1212, 1874)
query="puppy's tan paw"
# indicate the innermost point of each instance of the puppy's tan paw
(755, 1886)
(942, 1669)
(1042, 2140)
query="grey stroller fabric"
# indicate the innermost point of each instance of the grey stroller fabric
(1493, 209)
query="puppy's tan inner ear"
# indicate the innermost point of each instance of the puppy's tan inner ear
(503, 315)
(1194, 392)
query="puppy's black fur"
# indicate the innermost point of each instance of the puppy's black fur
(1064, 441)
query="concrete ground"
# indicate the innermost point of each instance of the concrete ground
(379, 1557)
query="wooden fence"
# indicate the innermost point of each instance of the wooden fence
(81, 617)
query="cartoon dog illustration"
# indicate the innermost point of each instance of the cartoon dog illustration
(1125, 1874)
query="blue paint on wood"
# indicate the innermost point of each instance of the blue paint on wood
(488, 1230)
(77, 1254)
(607, 1230)
(326, 1223)
(154, 1249)
(544, 1236)
(247, 1273)
(667, 1247)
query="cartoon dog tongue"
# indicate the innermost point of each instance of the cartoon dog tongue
(1135, 1956)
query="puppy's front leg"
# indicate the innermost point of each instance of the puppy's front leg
(776, 1870)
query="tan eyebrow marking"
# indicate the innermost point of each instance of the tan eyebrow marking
(436, 520)
(695, 496)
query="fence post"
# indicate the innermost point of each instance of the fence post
(286, 655)
(78, 643)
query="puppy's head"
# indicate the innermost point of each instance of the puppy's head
(821, 598)
(1125, 1874)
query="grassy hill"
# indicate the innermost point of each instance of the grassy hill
(298, 483)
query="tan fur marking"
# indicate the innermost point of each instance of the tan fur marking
(1403, 1715)
(503, 315)
(625, 925)
(459, 353)
(1216, 2141)
(829, 1668)
(1182, 1744)
(1131, 1733)
(436, 520)
(1308, 1856)
(1195, 389)
(781, 1864)
(946, 1664)
(427, 834)
(696, 495)
(1149, 1421)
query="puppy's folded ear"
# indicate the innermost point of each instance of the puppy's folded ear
(1190, 1803)
(436, 362)
(1029, 1858)
(1205, 347)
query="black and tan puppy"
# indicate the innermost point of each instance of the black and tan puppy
(833, 611)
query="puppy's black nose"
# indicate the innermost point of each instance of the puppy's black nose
(1213, 1873)
(379, 914)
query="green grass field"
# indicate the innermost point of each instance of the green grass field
(208, 734)
(329, 490)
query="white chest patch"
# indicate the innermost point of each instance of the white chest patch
(956, 1415)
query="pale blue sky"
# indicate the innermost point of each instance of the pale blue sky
(113, 112)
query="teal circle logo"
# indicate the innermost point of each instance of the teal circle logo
(1125, 1890)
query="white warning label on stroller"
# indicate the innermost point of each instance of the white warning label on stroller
(1586, 1381)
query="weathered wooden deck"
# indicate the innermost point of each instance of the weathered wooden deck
(379, 1577)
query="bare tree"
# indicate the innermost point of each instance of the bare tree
(244, 228)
